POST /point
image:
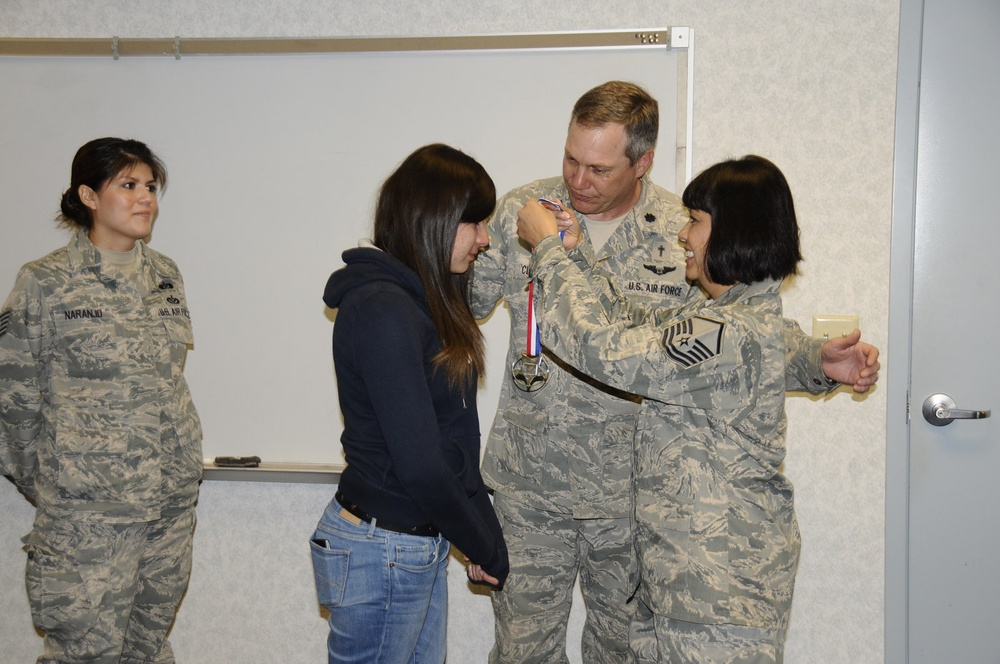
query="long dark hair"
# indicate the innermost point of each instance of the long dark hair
(95, 163)
(419, 209)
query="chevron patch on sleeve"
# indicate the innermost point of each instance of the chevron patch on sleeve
(693, 340)
(4, 321)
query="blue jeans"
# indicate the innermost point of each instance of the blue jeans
(387, 592)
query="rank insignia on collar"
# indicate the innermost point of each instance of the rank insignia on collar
(165, 285)
(650, 217)
(4, 321)
(693, 340)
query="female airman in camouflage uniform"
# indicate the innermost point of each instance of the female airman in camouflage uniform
(716, 534)
(97, 426)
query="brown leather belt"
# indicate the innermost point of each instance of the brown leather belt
(426, 530)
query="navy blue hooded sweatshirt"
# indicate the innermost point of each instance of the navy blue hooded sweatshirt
(411, 441)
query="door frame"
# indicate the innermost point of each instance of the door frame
(900, 334)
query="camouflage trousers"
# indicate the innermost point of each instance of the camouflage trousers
(107, 593)
(547, 551)
(656, 638)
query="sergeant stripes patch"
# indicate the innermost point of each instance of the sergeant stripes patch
(4, 321)
(693, 340)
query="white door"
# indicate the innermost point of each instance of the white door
(943, 483)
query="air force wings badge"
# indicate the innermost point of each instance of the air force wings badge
(659, 270)
(693, 340)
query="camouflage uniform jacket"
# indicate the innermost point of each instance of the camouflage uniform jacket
(716, 531)
(567, 447)
(96, 420)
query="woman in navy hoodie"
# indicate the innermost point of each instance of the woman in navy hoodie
(408, 354)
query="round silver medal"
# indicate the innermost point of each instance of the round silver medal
(530, 372)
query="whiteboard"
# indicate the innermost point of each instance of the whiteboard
(273, 164)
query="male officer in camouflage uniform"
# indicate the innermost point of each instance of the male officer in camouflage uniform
(559, 457)
(98, 430)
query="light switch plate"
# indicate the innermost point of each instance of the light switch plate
(827, 326)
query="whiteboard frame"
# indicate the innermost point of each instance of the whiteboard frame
(671, 38)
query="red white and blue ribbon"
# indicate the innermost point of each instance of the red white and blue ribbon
(534, 345)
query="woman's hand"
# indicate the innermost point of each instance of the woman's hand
(477, 575)
(536, 221)
(851, 361)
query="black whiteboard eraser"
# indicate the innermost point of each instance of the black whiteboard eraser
(237, 462)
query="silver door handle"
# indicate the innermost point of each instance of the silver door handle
(939, 410)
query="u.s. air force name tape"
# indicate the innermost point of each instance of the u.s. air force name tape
(694, 340)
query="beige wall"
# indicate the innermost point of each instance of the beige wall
(811, 85)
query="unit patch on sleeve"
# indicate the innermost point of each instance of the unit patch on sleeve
(693, 340)
(4, 321)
